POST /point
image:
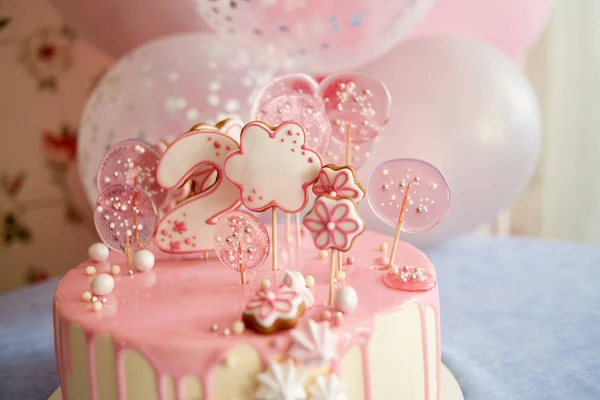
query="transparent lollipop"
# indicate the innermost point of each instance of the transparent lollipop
(132, 162)
(125, 218)
(241, 242)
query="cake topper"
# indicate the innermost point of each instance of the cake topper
(409, 194)
(188, 228)
(339, 182)
(356, 105)
(273, 168)
(333, 224)
(241, 242)
(125, 218)
(132, 162)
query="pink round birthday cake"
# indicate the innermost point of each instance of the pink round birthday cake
(174, 332)
(200, 300)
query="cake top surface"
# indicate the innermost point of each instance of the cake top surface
(170, 310)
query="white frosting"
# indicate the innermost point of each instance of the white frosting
(328, 388)
(314, 343)
(273, 168)
(281, 382)
(297, 282)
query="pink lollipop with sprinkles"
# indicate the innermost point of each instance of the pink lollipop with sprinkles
(411, 195)
(132, 162)
(241, 242)
(125, 218)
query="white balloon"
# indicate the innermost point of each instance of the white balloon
(469, 110)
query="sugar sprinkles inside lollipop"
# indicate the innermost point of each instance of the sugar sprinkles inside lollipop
(132, 162)
(241, 242)
(125, 218)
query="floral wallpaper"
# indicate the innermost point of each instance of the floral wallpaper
(47, 73)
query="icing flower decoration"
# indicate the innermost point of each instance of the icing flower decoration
(333, 223)
(328, 388)
(339, 182)
(281, 382)
(273, 167)
(314, 343)
(271, 308)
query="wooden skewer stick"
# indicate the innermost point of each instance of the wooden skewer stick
(242, 269)
(332, 258)
(399, 226)
(128, 250)
(274, 237)
(298, 231)
(339, 260)
(205, 255)
(288, 223)
(348, 144)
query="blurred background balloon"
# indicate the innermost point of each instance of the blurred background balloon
(117, 26)
(510, 25)
(163, 88)
(322, 36)
(468, 109)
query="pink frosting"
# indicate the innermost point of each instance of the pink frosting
(180, 300)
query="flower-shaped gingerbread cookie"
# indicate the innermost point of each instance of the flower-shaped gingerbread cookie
(272, 311)
(273, 167)
(333, 223)
(339, 182)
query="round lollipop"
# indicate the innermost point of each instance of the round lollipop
(241, 242)
(413, 196)
(125, 218)
(132, 162)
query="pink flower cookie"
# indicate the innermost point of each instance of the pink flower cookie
(273, 311)
(333, 223)
(273, 167)
(339, 182)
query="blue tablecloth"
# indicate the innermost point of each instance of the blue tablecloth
(520, 320)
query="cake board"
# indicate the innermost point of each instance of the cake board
(450, 389)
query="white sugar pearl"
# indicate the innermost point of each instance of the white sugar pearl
(86, 296)
(97, 306)
(383, 246)
(115, 270)
(98, 252)
(143, 260)
(90, 270)
(238, 327)
(310, 281)
(102, 284)
(265, 284)
(345, 299)
(323, 253)
(340, 275)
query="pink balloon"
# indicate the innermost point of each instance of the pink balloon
(241, 240)
(132, 162)
(511, 25)
(117, 26)
(428, 194)
(321, 35)
(165, 87)
(125, 217)
(303, 109)
(465, 107)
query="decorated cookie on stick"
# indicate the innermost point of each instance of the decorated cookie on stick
(412, 196)
(125, 218)
(273, 169)
(333, 223)
(241, 242)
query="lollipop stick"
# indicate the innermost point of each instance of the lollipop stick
(242, 269)
(288, 223)
(128, 250)
(205, 255)
(274, 236)
(332, 258)
(298, 227)
(339, 260)
(136, 235)
(399, 226)
(348, 146)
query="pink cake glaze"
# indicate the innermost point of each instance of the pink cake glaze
(180, 299)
